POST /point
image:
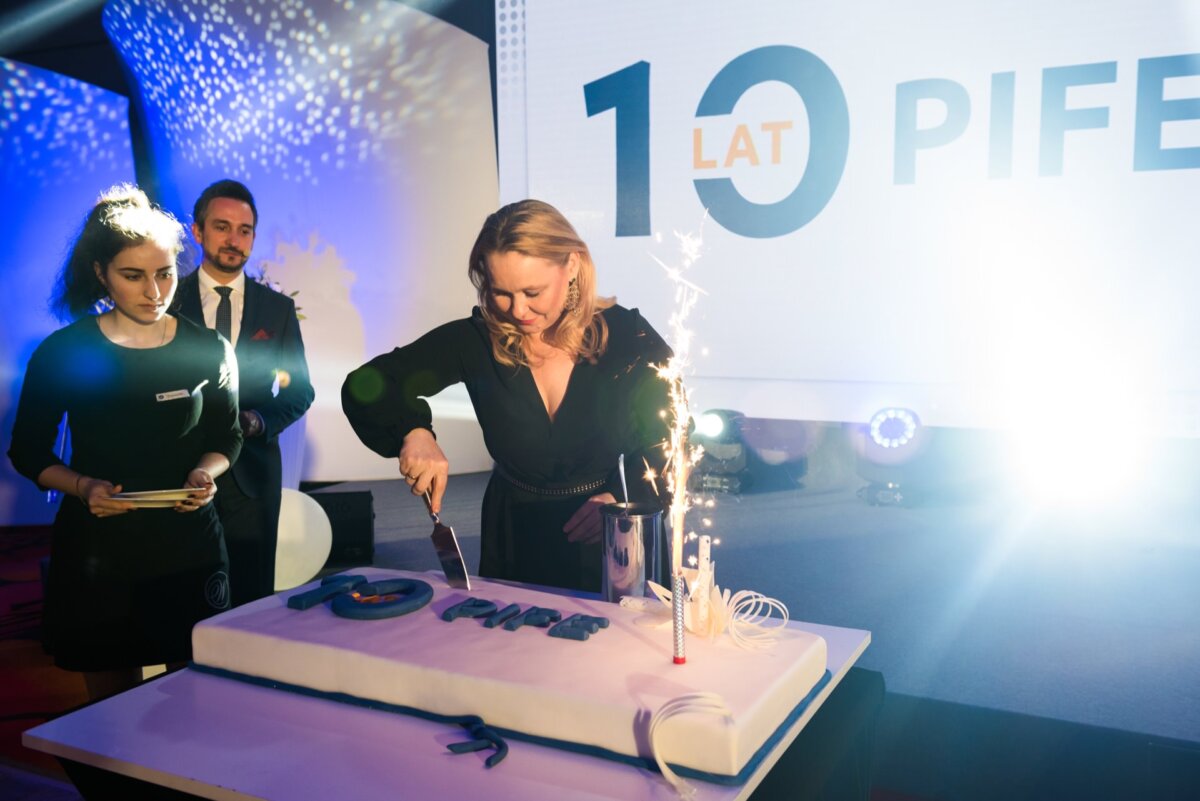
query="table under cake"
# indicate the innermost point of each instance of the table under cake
(293, 704)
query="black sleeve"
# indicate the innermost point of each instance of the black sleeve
(384, 399)
(222, 432)
(296, 392)
(39, 412)
(650, 397)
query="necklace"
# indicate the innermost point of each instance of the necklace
(117, 337)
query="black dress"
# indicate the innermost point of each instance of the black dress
(126, 590)
(545, 469)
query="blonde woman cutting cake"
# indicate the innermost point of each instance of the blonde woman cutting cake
(562, 385)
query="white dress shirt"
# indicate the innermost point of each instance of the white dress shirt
(209, 300)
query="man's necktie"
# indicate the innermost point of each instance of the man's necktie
(225, 313)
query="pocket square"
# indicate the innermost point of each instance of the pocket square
(261, 335)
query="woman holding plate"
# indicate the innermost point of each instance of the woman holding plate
(151, 404)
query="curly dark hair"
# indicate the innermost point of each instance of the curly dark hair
(123, 217)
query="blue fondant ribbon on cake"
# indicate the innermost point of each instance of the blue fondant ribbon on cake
(485, 737)
(589, 750)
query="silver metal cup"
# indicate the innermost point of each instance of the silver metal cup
(633, 548)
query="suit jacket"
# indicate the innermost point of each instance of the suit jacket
(268, 341)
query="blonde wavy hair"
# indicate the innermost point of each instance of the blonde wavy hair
(537, 229)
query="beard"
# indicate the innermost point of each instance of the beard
(227, 260)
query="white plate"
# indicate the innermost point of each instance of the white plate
(155, 498)
(156, 494)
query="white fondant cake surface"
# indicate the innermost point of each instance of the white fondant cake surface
(600, 692)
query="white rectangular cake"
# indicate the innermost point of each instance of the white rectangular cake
(598, 693)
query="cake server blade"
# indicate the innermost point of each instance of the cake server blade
(448, 552)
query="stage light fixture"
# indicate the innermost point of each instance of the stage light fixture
(743, 454)
(723, 465)
(709, 425)
(893, 427)
(888, 448)
(936, 462)
(722, 426)
(882, 493)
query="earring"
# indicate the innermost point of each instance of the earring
(572, 301)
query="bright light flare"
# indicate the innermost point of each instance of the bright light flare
(1073, 389)
(709, 425)
(1084, 461)
(1082, 441)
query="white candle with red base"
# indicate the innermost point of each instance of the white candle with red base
(677, 600)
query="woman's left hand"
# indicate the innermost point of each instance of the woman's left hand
(205, 487)
(586, 524)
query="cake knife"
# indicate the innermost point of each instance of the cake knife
(446, 545)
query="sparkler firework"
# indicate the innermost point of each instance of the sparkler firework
(680, 455)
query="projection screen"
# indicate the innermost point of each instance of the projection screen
(978, 212)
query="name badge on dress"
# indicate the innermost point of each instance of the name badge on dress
(169, 396)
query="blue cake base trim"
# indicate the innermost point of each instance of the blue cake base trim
(588, 750)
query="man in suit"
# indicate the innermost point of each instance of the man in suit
(274, 388)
